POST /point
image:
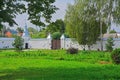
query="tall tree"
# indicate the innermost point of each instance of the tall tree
(83, 22)
(36, 9)
(88, 19)
(106, 10)
(57, 26)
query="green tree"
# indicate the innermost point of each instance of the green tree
(37, 34)
(110, 44)
(57, 26)
(86, 20)
(8, 11)
(20, 30)
(82, 25)
(18, 43)
(36, 9)
(30, 29)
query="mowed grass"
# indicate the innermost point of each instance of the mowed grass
(57, 65)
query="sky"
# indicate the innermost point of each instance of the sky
(61, 4)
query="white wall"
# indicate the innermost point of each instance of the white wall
(40, 43)
(46, 43)
(67, 43)
(6, 42)
(32, 43)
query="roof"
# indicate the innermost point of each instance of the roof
(113, 35)
(2, 38)
(8, 34)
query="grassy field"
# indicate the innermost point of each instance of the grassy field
(57, 65)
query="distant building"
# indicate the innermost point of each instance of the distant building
(8, 34)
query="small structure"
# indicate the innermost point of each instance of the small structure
(113, 35)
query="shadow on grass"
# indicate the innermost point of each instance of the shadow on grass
(96, 73)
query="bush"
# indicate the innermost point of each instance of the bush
(18, 43)
(113, 31)
(116, 56)
(72, 50)
(56, 35)
(110, 44)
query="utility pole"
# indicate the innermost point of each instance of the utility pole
(101, 34)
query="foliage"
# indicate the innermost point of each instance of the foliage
(8, 11)
(82, 24)
(116, 56)
(56, 35)
(110, 44)
(18, 43)
(72, 50)
(106, 10)
(20, 30)
(32, 30)
(66, 35)
(41, 34)
(14, 35)
(113, 31)
(36, 10)
(57, 26)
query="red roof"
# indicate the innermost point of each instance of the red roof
(8, 34)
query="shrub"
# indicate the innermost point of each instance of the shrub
(18, 43)
(66, 35)
(109, 45)
(56, 35)
(72, 50)
(113, 31)
(116, 56)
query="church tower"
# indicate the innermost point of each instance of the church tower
(25, 33)
(26, 37)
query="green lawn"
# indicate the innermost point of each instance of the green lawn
(57, 65)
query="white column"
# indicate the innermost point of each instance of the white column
(49, 38)
(62, 41)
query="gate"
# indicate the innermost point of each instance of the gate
(56, 44)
